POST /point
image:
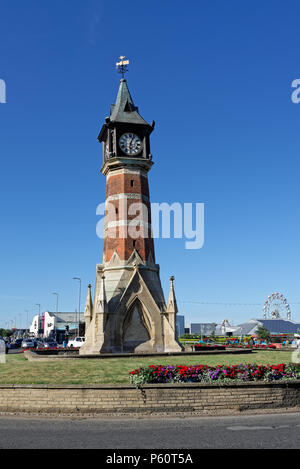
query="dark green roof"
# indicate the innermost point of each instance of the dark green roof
(124, 109)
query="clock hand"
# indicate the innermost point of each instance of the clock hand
(130, 143)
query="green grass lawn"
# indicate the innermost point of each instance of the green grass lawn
(17, 370)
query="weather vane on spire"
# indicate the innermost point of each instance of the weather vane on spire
(122, 66)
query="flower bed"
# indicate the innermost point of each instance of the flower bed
(207, 346)
(198, 347)
(222, 373)
(255, 346)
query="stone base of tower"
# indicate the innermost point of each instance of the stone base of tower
(129, 314)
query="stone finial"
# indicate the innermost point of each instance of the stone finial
(172, 305)
(88, 310)
(101, 299)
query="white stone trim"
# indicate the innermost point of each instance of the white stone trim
(117, 172)
(127, 196)
(113, 224)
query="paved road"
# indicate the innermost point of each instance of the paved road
(248, 431)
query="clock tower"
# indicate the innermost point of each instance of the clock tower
(129, 313)
(125, 139)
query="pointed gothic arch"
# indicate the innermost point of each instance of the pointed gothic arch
(136, 327)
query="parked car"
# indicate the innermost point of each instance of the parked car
(39, 343)
(15, 344)
(77, 342)
(27, 343)
(50, 343)
(12, 345)
(18, 342)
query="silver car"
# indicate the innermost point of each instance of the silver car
(27, 344)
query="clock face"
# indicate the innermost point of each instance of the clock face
(130, 144)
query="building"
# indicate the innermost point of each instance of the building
(54, 324)
(35, 328)
(203, 328)
(281, 326)
(180, 325)
(247, 328)
(274, 326)
(129, 313)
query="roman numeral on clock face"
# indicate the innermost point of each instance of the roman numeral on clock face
(130, 144)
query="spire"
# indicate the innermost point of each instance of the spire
(101, 300)
(101, 311)
(124, 109)
(172, 305)
(88, 310)
(171, 312)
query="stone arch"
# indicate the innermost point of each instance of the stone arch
(136, 328)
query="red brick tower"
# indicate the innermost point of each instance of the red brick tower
(127, 160)
(129, 312)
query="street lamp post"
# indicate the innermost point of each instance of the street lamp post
(57, 295)
(79, 297)
(27, 325)
(38, 304)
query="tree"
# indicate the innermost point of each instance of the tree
(263, 333)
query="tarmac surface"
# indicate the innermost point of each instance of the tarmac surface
(264, 430)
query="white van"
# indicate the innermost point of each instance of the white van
(77, 342)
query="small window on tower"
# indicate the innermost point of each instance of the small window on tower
(117, 210)
(133, 243)
(131, 182)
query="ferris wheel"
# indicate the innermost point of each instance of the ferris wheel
(276, 307)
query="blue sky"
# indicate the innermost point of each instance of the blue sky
(216, 78)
